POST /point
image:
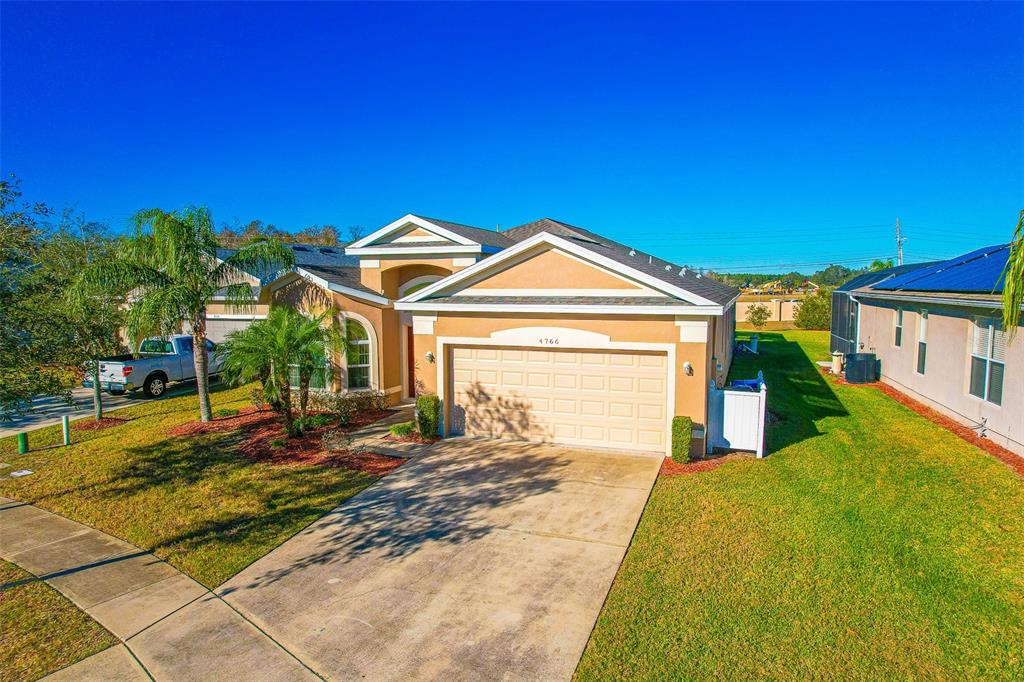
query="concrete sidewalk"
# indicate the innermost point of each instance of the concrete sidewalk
(170, 624)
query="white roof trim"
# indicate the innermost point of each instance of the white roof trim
(342, 289)
(472, 249)
(562, 309)
(409, 219)
(575, 249)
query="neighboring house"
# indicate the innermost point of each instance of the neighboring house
(936, 330)
(541, 332)
(845, 308)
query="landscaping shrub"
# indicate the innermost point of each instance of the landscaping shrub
(402, 430)
(682, 433)
(315, 421)
(428, 414)
(815, 311)
(344, 405)
(225, 412)
(757, 315)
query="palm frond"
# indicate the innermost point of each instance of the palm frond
(160, 311)
(1013, 281)
(266, 257)
(117, 277)
(239, 297)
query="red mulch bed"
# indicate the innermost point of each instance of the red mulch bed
(105, 423)
(670, 467)
(262, 439)
(1010, 459)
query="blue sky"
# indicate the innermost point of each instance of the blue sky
(724, 135)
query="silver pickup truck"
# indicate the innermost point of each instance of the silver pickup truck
(158, 362)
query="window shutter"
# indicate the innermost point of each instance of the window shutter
(995, 383)
(981, 338)
(999, 345)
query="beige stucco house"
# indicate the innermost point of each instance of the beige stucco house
(936, 331)
(542, 332)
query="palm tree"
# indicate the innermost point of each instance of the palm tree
(1013, 282)
(314, 345)
(267, 350)
(170, 271)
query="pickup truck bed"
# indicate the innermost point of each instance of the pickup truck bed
(158, 363)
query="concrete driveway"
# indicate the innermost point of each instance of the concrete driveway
(481, 560)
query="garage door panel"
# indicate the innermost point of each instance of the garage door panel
(653, 387)
(217, 330)
(578, 398)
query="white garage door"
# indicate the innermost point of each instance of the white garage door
(217, 329)
(581, 398)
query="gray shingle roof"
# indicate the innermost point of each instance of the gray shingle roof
(344, 276)
(562, 300)
(305, 255)
(653, 266)
(477, 234)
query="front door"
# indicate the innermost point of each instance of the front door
(410, 359)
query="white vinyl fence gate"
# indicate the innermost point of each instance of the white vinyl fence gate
(736, 415)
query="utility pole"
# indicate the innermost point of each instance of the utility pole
(899, 243)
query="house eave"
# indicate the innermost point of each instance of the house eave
(351, 292)
(581, 309)
(991, 304)
(422, 251)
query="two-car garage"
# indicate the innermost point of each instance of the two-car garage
(583, 398)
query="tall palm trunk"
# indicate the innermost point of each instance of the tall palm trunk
(202, 365)
(286, 409)
(304, 377)
(97, 397)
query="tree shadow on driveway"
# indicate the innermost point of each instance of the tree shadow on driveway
(448, 497)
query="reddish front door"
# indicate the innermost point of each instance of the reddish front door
(410, 359)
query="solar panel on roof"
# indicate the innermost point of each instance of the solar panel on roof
(979, 271)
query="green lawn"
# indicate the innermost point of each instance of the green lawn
(40, 630)
(871, 544)
(191, 500)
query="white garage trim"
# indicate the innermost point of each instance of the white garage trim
(574, 339)
(232, 316)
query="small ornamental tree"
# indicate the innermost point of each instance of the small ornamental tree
(815, 311)
(269, 349)
(757, 315)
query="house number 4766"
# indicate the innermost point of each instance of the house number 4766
(548, 342)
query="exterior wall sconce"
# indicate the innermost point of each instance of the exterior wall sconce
(430, 357)
(688, 368)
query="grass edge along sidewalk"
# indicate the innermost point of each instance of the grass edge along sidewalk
(193, 501)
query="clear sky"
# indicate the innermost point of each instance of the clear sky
(723, 135)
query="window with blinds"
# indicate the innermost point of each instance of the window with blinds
(988, 361)
(922, 341)
(899, 327)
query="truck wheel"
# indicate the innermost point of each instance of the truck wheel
(154, 386)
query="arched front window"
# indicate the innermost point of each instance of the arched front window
(358, 355)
